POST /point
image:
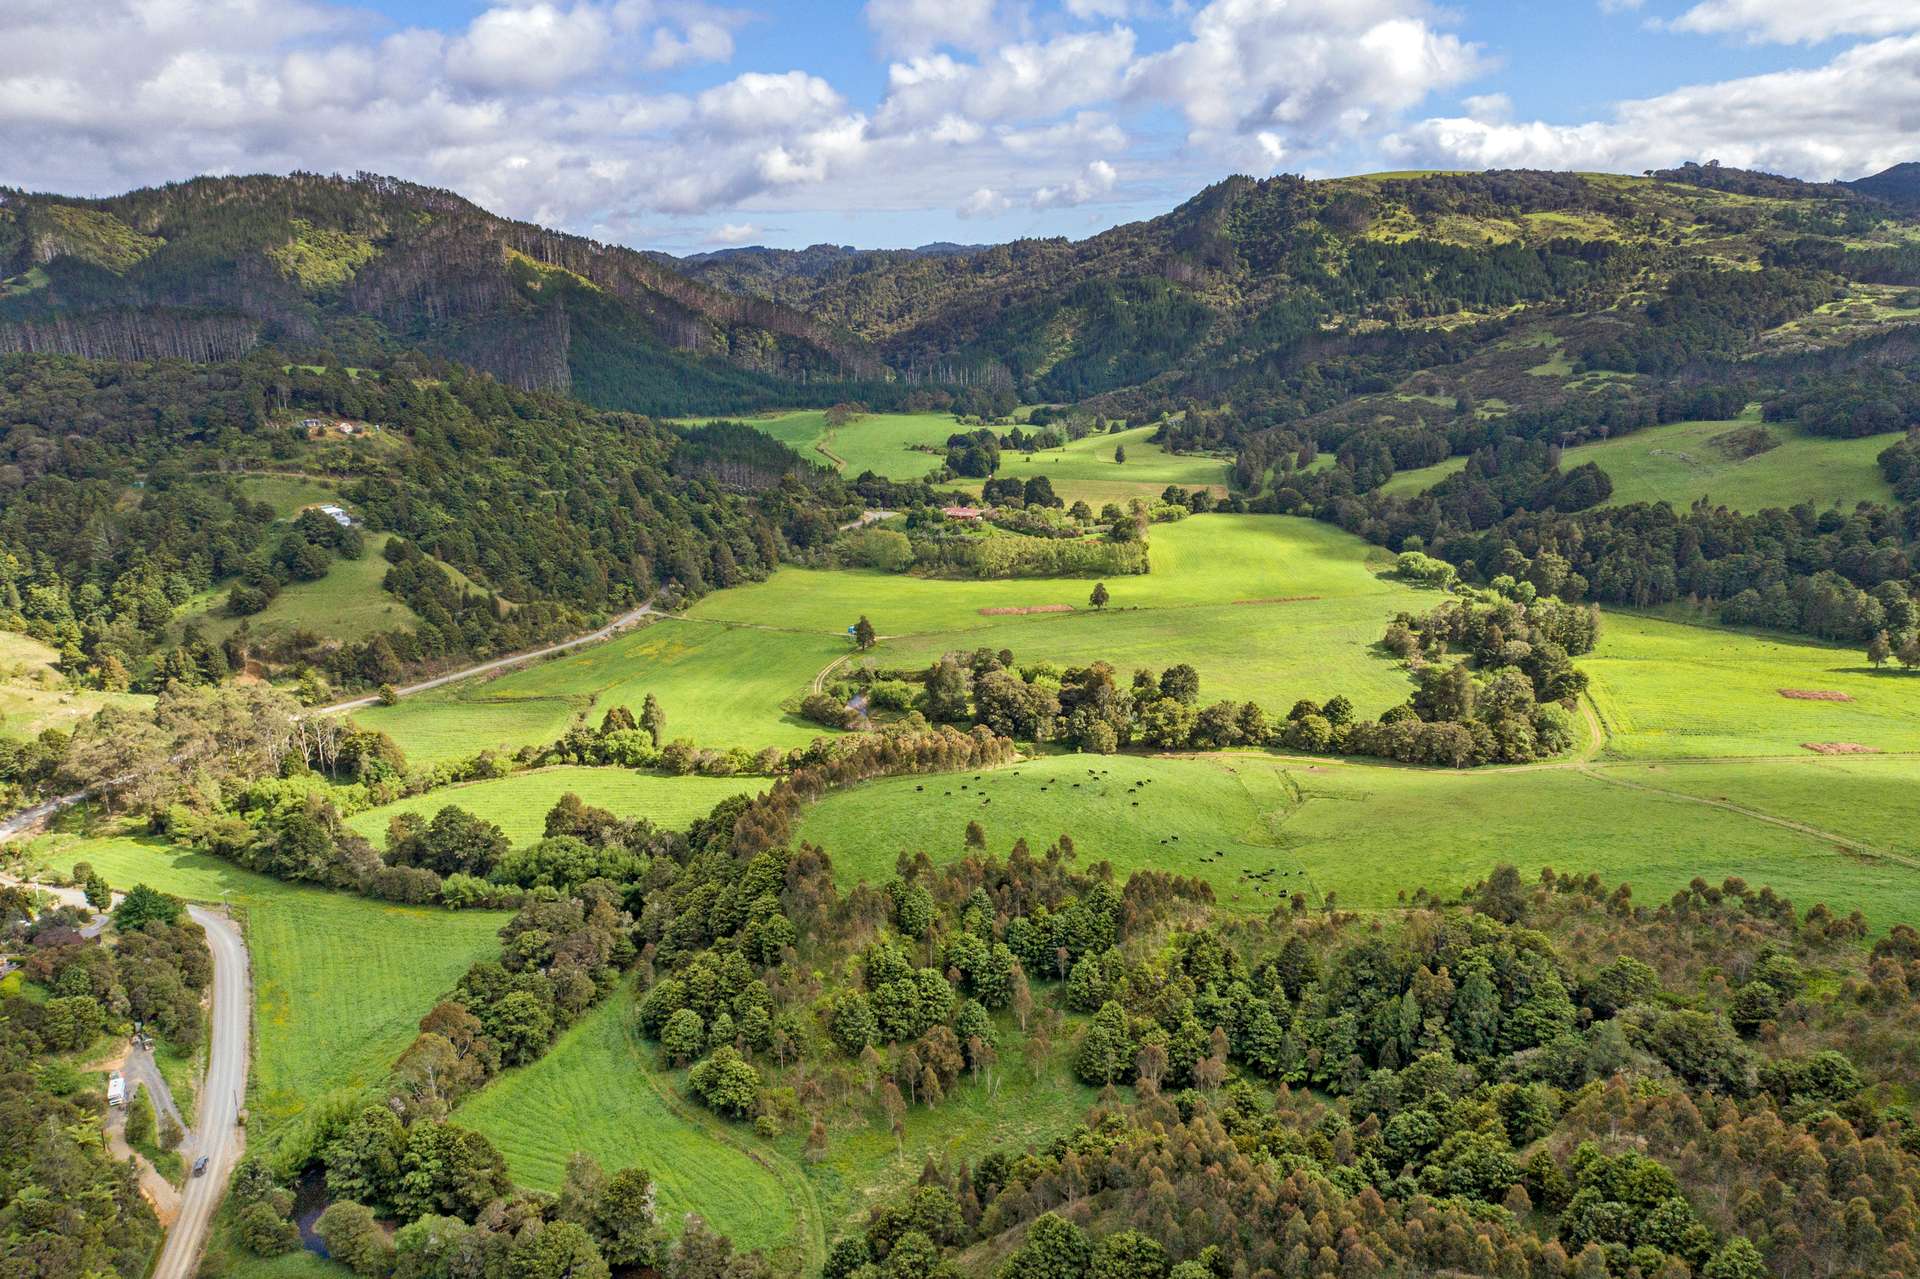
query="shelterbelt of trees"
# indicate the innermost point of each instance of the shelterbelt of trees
(1507, 699)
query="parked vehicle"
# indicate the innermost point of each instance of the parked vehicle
(200, 1166)
(117, 1091)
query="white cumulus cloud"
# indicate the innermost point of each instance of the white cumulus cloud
(1853, 114)
(1092, 182)
(920, 26)
(536, 46)
(1800, 21)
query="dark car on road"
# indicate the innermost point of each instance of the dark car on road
(200, 1166)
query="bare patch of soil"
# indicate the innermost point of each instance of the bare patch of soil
(1022, 612)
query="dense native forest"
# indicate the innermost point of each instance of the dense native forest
(268, 442)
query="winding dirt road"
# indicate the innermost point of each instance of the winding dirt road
(612, 628)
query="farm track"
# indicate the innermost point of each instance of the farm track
(820, 680)
(612, 628)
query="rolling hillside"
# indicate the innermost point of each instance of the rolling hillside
(1247, 284)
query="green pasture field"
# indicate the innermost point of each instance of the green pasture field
(34, 695)
(288, 495)
(1273, 654)
(461, 720)
(1313, 614)
(1677, 464)
(1863, 797)
(1204, 560)
(879, 442)
(722, 686)
(1420, 479)
(339, 982)
(1084, 469)
(733, 671)
(595, 1091)
(1363, 832)
(1673, 690)
(519, 804)
(350, 603)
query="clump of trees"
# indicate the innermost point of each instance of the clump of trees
(795, 1004)
(1506, 702)
(68, 1207)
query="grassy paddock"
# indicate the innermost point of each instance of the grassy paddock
(1309, 615)
(465, 719)
(339, 982)
(1318, 610)
(519, 804)
(1678, 463)
(350, 603)
(722, 686)
(1864, 797)
(1673, 690)
(34, 695)
(288, 495)
(1084, 469)
(1205, 560)
(1270, 654)
(879, 442)
(1361, 831)
(594, 1091)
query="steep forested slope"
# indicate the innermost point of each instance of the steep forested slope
(339, 270)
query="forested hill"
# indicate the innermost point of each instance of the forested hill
(1235, 293)
(761, 272)
(1283, 296)
(345, 271)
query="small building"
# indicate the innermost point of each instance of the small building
(962, 512)
(117, 1091)
(311, 423)
(336, 514)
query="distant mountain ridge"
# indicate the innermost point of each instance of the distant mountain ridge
(762, 272)
(1252, 282)
(1899, 184)
(348, 268)
(1252, 291)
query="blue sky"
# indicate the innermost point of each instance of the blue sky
(693, 124)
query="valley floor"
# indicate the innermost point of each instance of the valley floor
(1693, 764)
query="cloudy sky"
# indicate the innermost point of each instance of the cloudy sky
(689, 124)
